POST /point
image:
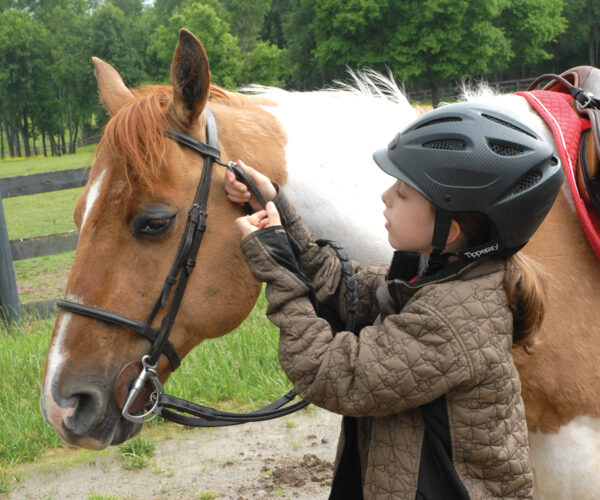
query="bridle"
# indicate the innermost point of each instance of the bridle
(147, 389)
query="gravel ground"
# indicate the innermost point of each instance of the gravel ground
(290, 457)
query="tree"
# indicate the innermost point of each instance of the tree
(246, 20)
(120, 40)
(299, 34)
(72, 72)
(431, 40)
(529, 25)
(580, 43)
(24, 76)
(220, 45)
(266, 65)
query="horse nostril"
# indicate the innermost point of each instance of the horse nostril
(89, 409)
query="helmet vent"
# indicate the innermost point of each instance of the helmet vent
(440, 120)
(447, 144)
(507, 124)
(529, 180)
(505, 148)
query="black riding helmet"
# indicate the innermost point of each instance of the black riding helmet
(473, 157)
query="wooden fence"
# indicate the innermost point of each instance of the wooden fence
(11, 309)
(452, 92)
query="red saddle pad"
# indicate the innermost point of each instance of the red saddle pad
(556, 108)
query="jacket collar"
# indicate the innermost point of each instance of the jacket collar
(403, 279)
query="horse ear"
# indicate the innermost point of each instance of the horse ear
(113, 92)
(190, 77)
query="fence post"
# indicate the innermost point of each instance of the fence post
(10, 307)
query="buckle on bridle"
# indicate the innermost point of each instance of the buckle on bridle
(148, 373)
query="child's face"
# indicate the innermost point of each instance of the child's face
(410, 219)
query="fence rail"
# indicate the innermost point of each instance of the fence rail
(453, 92)
(11, 310)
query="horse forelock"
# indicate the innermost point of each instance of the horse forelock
(134, 137)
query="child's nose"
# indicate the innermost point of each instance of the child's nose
(385, 196)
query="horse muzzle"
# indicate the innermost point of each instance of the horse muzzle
(84, 413)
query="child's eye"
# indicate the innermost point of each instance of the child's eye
(400, 195)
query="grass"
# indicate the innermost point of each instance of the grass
(42, 278)
(23, 433)
(42, 213)
(136, 452)
(38, 164)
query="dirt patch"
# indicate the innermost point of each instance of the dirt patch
(289, 458)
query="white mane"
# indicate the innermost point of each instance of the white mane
(332, 179)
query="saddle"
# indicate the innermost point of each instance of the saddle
(583, 83)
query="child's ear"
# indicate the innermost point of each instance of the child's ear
(455, 233)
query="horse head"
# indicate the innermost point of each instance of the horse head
(131, 217)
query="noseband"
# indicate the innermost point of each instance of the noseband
(147, 384)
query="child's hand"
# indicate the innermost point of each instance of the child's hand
(263, 218)
(238, 192)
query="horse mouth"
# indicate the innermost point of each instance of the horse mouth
(107, 434)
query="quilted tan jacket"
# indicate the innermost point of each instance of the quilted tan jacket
(446, 342)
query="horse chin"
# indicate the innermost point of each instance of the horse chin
(103, 436)
(113, 429)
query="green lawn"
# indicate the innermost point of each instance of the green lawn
(25, 166)
(42, 278)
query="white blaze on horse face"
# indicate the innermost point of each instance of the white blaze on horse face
(92, 196)
(53, 413)
(559, 459)
(333, 181)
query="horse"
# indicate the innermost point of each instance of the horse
(317, 146)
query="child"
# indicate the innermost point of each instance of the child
(428, 388)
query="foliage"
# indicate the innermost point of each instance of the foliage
(46, 78)
(24, 72)
(530, 25)
(431, 40)
(221, 46)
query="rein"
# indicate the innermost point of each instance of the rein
(584, 99)
(147, 390)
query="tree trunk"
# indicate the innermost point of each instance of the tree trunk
(435, 93)
(16, 142)
(53, 146)
(11, 149)
(73, 140)
(594, 44)
(593, 33)
(25, 135)
(1, 141)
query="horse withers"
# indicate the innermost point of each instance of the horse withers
(132, 214)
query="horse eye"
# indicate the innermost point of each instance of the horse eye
(154, 222)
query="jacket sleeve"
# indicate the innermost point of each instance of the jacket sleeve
(323, 268)
(405, 361)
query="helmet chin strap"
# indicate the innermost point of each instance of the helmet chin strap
(441, 229)
(438, 259)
